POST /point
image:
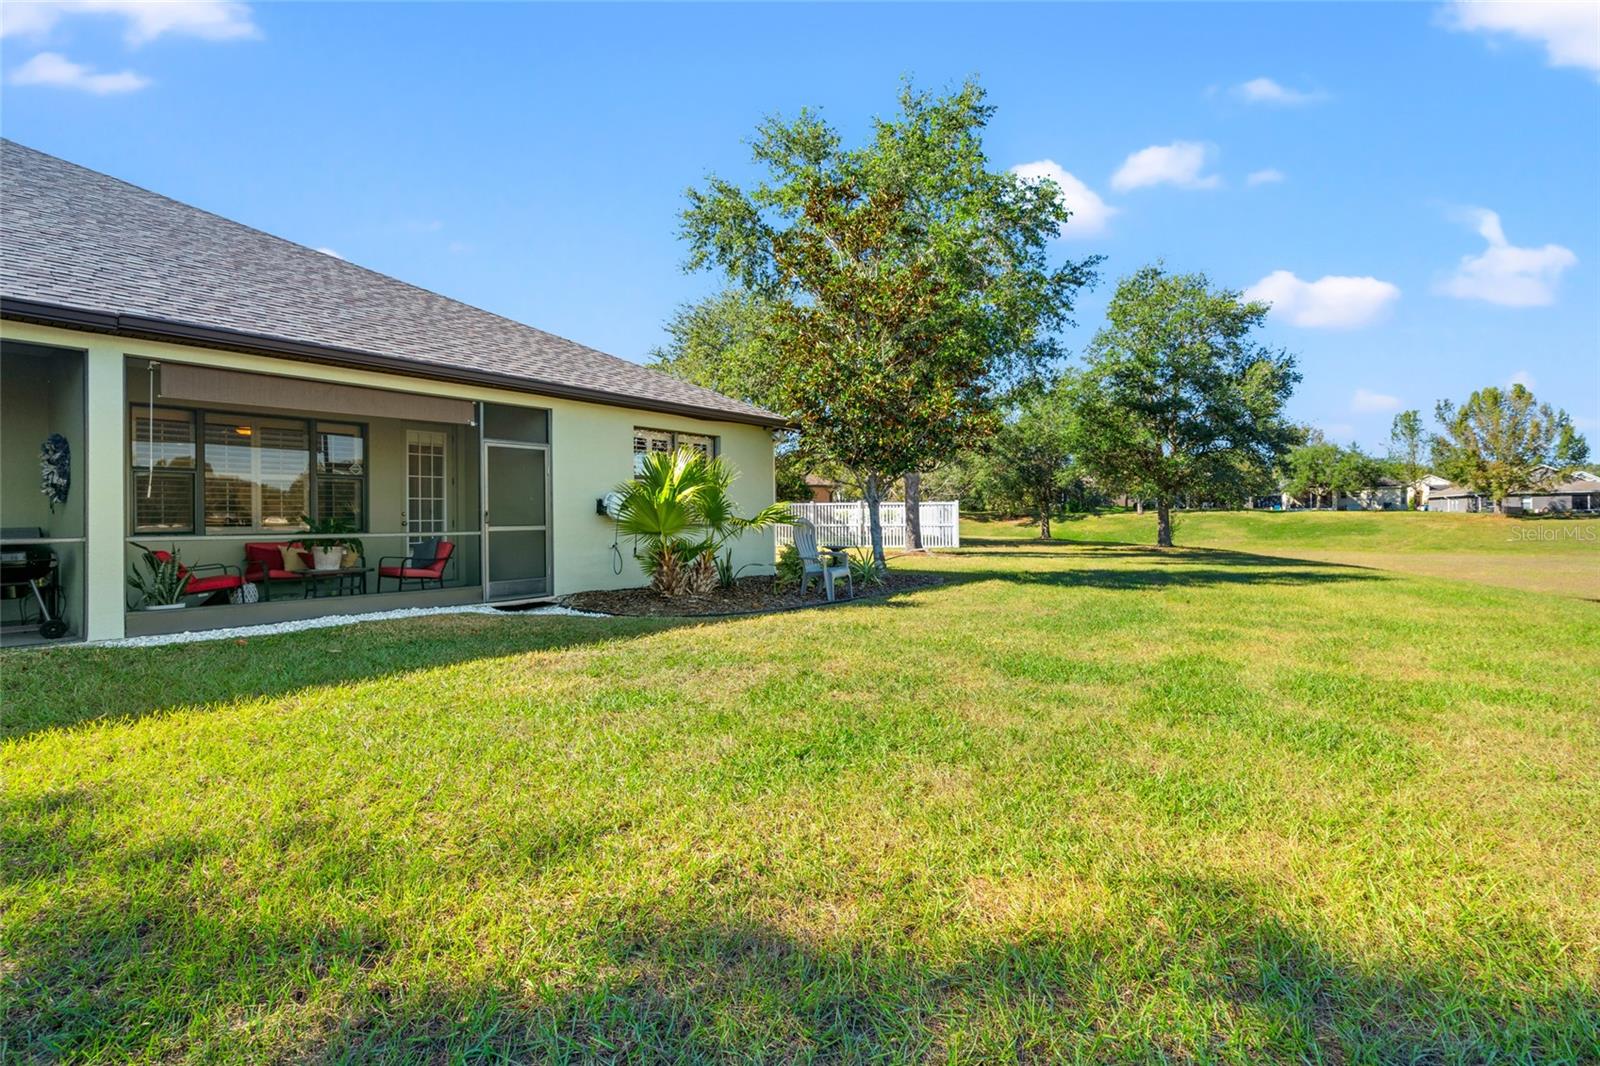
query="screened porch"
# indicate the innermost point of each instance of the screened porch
(280, 498)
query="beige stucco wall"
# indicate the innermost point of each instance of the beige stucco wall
(591, 452)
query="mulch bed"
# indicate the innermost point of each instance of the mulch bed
(751, 595)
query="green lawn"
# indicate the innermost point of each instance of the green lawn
(1559, 556)
(1080, 802)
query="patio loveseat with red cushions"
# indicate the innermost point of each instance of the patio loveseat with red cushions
(263, 564)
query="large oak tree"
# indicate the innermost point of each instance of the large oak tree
(1177, 400)
(910, 282)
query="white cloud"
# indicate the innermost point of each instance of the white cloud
(1267, 91)
(1367, 402)
(1330, 302)
(211, 20)
(1090, 213)
(1568, 29)
(1505, 274)
(1269, 176)
(1178, 163)
(1337, 431)
(1523, 378)
(330, 251)
(27, 20)
(57, 71)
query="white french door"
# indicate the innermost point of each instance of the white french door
(427, 485)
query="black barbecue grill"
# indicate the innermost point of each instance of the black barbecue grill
(29, 571)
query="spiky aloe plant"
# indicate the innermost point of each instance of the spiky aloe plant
(161, 583)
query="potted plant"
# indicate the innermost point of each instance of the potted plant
(329, 537)
(160, 585)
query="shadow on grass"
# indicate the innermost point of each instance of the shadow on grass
(1183, 967)
(1153, 568)
(61, 687)
(64, 687)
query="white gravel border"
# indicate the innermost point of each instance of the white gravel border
(327, 622)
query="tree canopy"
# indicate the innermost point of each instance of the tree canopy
(910, 283)
(1407, 439)
(724, 343)
(1503, 440)
(1029, 459)
(1177, 399)
(1323, 470)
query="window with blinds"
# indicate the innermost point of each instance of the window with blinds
(646, 441)
(257, 474)
(341, 474)
(247, 474)
(163, 471)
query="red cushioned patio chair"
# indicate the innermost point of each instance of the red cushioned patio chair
(206, 579)
(424, 572)
(263, 564)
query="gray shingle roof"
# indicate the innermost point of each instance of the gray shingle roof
(74, 238)
(1452, 492)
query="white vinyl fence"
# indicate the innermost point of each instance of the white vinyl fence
(848, 524)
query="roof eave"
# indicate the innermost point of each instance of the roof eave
(173, 331)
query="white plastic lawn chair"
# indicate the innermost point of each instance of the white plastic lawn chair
(826, 564)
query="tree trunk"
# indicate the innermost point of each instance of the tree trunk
(1044, 522)
(874, 495)
(914, 511)
(1163, 523)
(1138, 506)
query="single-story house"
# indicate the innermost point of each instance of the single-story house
(1456, 498)
(1424, 487)
(197, 386)
(1577, 493)
(1580, 492)
(1387, 495)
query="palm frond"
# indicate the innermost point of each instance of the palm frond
(680, 505)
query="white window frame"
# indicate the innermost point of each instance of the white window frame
(673, 439)
(256, 424)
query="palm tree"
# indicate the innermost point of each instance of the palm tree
(679, 505)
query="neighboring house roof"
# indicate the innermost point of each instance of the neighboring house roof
(1450, 491)
(87, 251)
(1577, 484)
(818, 481)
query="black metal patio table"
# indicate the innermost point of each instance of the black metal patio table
(344, 581)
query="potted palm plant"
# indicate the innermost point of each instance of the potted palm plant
(329, 539)
(680, 508)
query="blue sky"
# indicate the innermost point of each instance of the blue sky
(1414, 186)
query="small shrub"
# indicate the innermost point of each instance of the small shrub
(788, 571)
(864, 570)
(726, 574)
